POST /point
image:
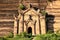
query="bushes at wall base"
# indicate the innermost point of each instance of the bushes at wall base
(22, 36)
(19, 39)
(48, 37)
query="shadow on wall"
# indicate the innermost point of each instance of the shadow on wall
(49, 23)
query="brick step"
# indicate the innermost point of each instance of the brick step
(8, 9)
(53, 10)
(57, 11)
(54, 21)
(42, 1)
(53, 18)
(34, 1)
(54, 26)
(54, 14)
(6, 24)
(6, 30)
(50, 28)
(4, 34)
(53, 6)
(6, 27)
(39, 4)
(8, 5)
(6, 18)
(56, 2)
(8, 1)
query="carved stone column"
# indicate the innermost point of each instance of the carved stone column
(37, 26)
(43, 24)
(33, 31)
(15, 27)
(25, 27)
(21, 24)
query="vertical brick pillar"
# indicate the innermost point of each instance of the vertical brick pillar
(15, 27)
(37, 27)
(21, 24)
(43, 25)
(33, 30)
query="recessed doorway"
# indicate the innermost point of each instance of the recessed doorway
(29, 30)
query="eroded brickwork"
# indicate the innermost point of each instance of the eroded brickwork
(12, 19)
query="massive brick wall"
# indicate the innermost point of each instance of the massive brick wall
(6, 28)
(8, 8)
(7, 21)
(9, 4)
(8, 14)
(53, 8)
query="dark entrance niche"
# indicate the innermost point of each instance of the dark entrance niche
(49, 23)
(29, 30)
